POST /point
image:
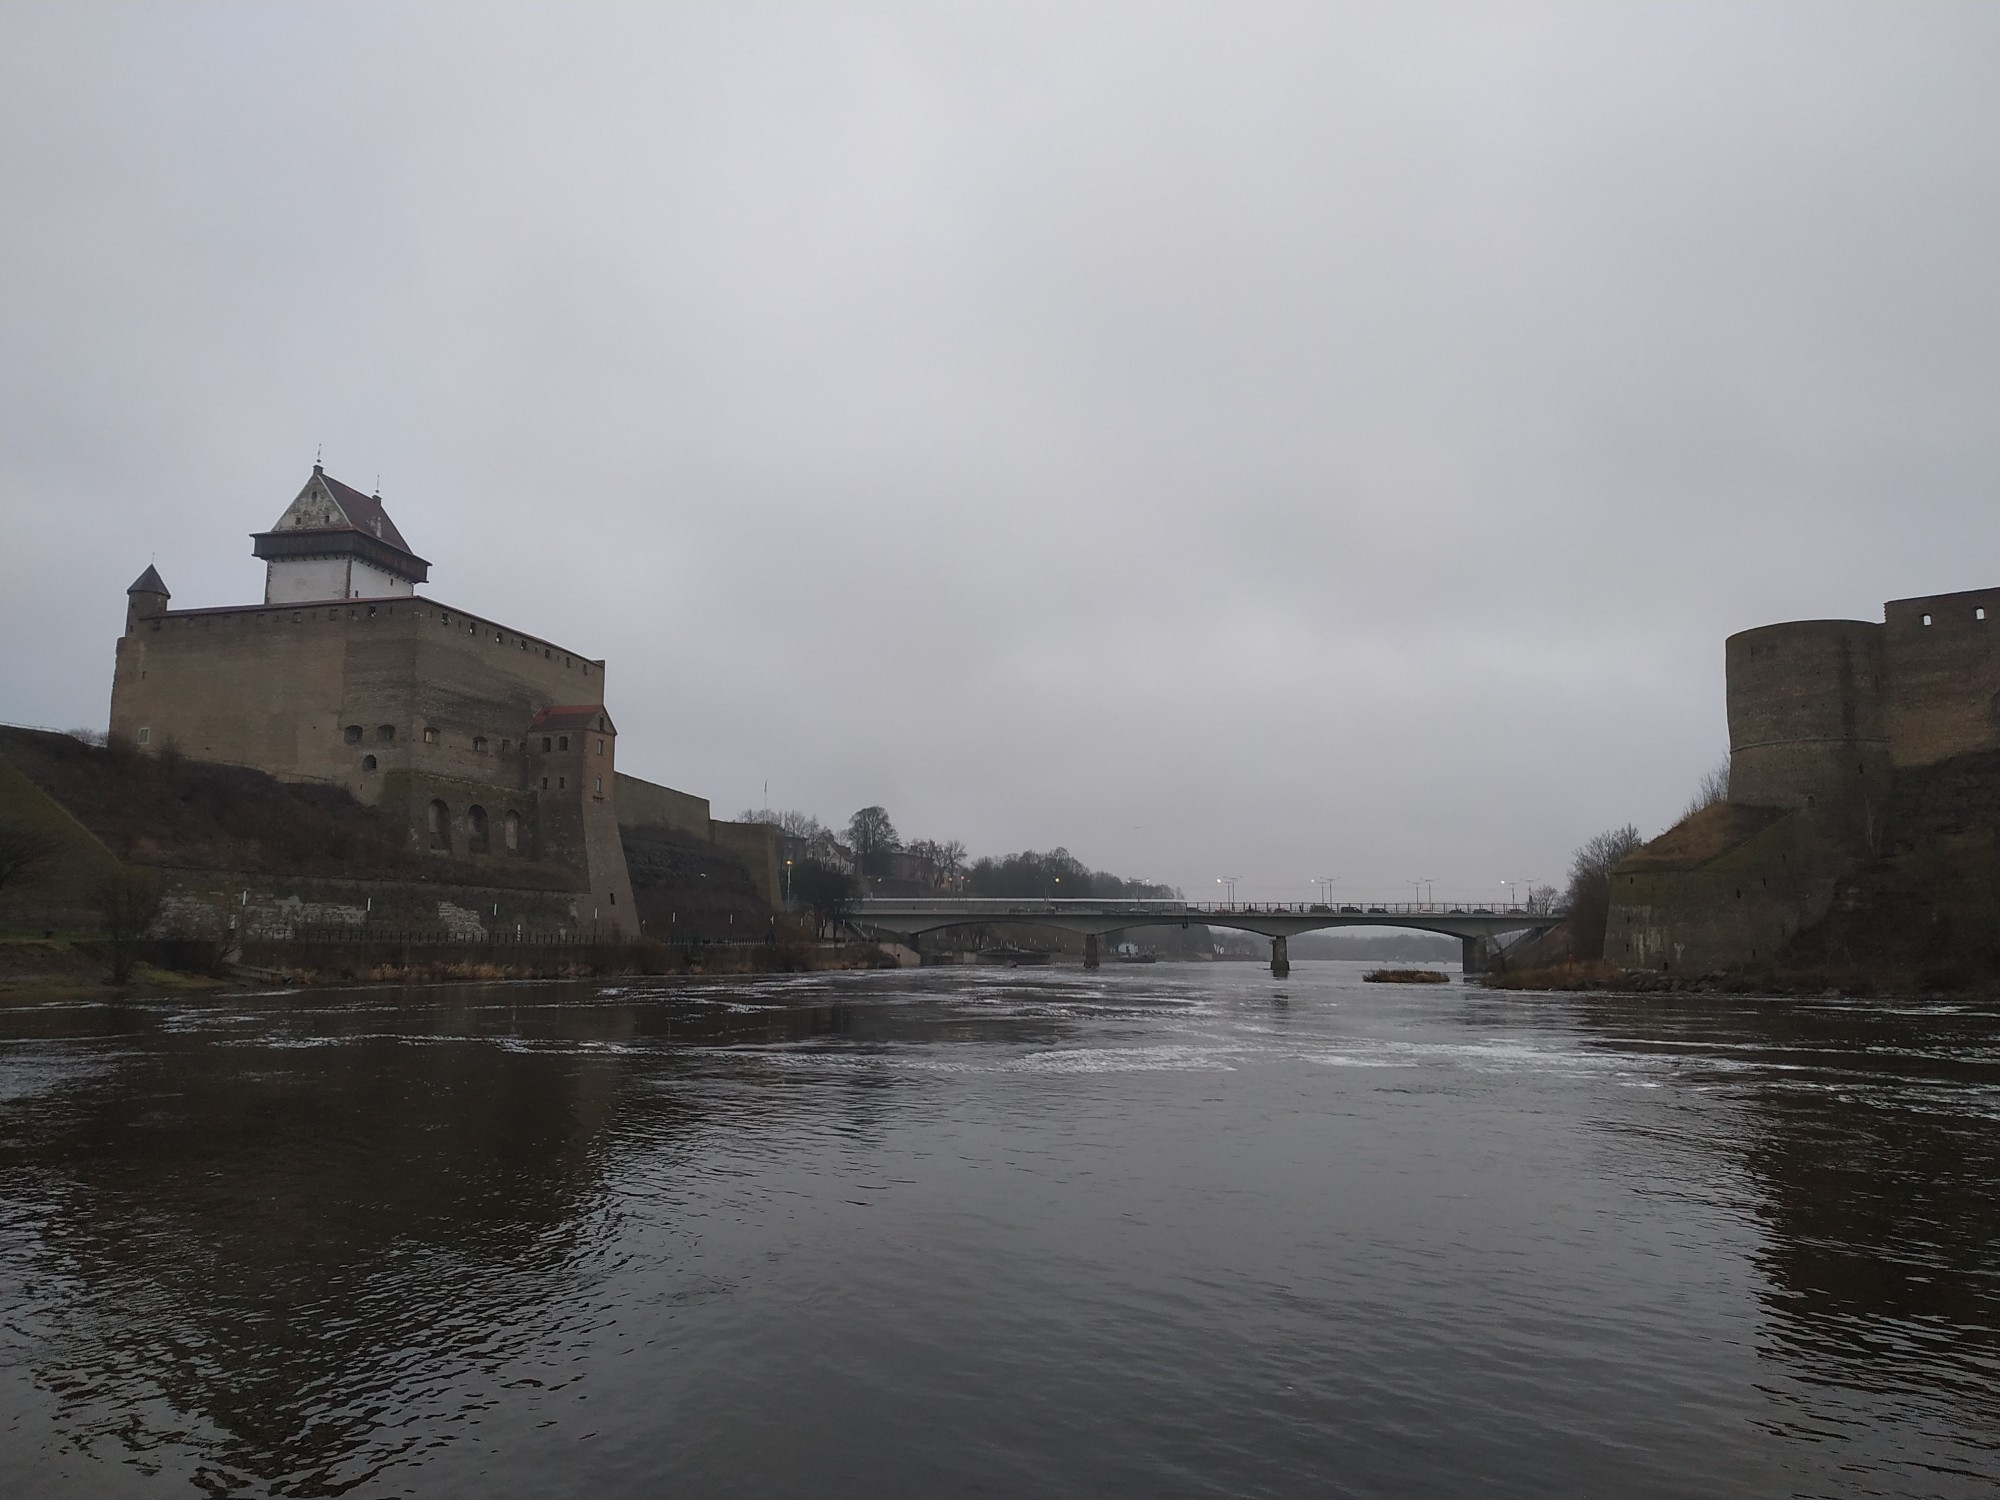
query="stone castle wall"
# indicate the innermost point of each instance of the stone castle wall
(755, 847)
(1805, 712)
(408, 704)
(1823, 712)
(1738, 898)
(223, 903)
(574, 775)
(1942, 664)
(646, 804)
(1828, 722)
(313, 693)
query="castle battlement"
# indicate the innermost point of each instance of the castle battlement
(363, 611)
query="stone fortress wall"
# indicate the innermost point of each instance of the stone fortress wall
(433, 713)
(1827, 718)
(647, 804)
(1818, 707)
(347, 692)
(406, 703)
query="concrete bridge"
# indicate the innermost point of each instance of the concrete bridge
(1474, 926)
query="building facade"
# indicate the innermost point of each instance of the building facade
(485, 741)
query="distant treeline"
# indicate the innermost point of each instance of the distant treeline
(1057, 873)
(875, 850)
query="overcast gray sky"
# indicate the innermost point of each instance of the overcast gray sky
(1252, 439)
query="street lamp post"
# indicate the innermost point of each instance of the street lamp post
(1228, 883)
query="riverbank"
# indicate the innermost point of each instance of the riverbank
(41, 967)
(1853, 983)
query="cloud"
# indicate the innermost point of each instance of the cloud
(1287, 438)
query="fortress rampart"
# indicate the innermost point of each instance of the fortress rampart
(1942, 693)
(1805, 715)
(1822, 712)
(1832, 723)
(407, 703)
(345, 692)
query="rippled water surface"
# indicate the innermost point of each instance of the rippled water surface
(1155, 1231)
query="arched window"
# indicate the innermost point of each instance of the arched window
(511, 830)
(352, 734)
(475, 829)
(385, 732)
(367, 762)
(440, 821)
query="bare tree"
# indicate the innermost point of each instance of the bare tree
(127, 904)
(1713, 788)
(24, 849)
(871, 835)
(1589, 896)
(826, 892)
(950, 859)
(789, 821)
(944, 857)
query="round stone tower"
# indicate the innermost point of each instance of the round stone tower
(1806, 720)
(146, 598)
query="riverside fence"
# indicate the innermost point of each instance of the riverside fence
(426, 937)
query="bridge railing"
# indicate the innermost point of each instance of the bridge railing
(1011, 905)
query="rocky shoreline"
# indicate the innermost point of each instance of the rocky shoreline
(1952, 983)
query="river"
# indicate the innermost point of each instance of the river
(1155, 1231)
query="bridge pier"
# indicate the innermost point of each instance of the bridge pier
(1090, 950)
(1475, 954)
(1281, 958)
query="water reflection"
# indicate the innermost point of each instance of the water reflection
(1872, 1136)
(270, 1231)
(313, 1245)
(269, 1239)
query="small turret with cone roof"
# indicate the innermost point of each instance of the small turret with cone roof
(146, 598)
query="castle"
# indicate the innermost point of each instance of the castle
(486, 742)
(1846, 738)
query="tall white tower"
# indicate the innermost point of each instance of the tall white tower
(333, 542)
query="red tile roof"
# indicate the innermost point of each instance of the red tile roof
(573, 716)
